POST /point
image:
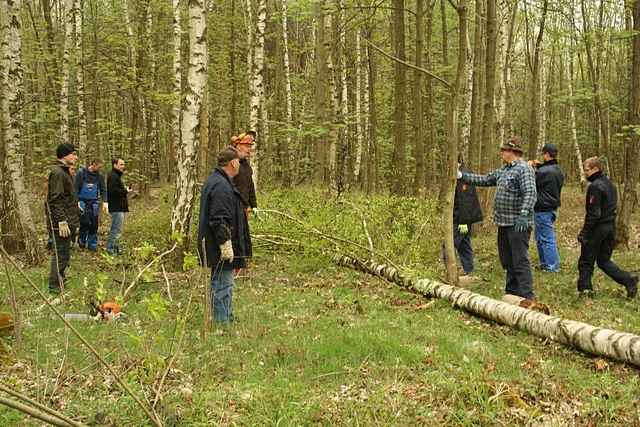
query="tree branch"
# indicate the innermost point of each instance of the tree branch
(407, 64)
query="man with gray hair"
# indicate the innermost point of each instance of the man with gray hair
(223, 232)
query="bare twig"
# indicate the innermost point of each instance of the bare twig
(148, 266)
(175, 352)
(408, 64)
(82, 339)
(166, 279)
(206, 322)
(41, 407)
(14, 307)
(42, 416)
(64, 360)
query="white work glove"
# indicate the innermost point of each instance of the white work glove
(226, 251)
(459, 175)
(63, 229)
(463, 228)
(105, 206)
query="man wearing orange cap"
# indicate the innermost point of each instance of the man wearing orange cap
(243, 144)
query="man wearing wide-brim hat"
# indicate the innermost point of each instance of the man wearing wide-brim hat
(515, 184)
(244, 145)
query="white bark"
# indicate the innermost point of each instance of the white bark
(287, 73)
(177, 78)
(365, 112)
(82, 116)
(187, 158)
(572, 123)
(12, 104)
(69, 22)
(335, 104)
(257, 110)
(359, 136)
(616, 345)
(542, 138)
(464, 119)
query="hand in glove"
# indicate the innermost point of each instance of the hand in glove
(463, 228)
(459, 174)
(81, 207)
(63, 229)
(522, 224)
(226, 251)
(105, 206)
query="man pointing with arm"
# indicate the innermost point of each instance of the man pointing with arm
(513, 214)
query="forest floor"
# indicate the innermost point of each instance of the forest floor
(319, 344)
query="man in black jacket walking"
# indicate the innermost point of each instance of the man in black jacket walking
(117, 203)
(598, 232)
(63, 218)
(549, 181)
(223, 232)
(466, 211)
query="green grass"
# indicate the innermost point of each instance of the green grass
(318, 344)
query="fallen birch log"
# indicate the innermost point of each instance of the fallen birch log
(609, 343)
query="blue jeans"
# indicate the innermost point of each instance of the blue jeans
(117, 221)
(222, 294)
(546, 241)
(462, 243)
(89, 224)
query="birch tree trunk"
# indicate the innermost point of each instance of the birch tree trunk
(335, 104)
(418, 128)
(451, 134)
(357, 164)
(632, 140)
(187, 162)
(488, 122)
(542, 111)
(505, 129)
(534, 66)
(572, 117)
(69, 22)
(176, 106)
(344, 99)
(82, 116)
(399, 156)
(21, 219)
(610, 343)
(475, 149)
(257, 112)
(288, 172)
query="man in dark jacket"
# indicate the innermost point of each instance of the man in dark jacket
(466, 211)
(62, 214)
(244, 144)
(117, 204)
(91, 189)
(223, 232)
(598, 232)
(549, 181)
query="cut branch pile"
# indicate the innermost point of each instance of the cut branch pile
(609, 343)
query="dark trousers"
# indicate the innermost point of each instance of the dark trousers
(59, 260)
(462, 243)
(597, 248)
(513, 248)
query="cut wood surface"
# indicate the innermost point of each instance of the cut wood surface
(610, 343)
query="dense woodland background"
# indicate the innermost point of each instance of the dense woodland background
(348, 95)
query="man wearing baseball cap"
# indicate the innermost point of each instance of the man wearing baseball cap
(63, 217)
(549, 181)
(513, 214)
